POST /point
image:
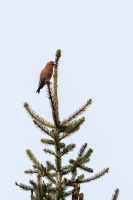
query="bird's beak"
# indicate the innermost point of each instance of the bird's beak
(55, 63)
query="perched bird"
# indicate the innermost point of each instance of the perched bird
(46, 74)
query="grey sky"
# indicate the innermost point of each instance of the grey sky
(96, 39)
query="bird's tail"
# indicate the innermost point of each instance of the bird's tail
(38, 90)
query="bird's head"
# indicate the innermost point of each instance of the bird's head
(51, 63)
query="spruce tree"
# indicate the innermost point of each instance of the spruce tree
(52, 182)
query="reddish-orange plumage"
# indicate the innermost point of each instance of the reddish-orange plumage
(46, 74)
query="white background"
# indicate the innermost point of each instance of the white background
(96, 39)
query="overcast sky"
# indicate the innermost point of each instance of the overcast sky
(96, 39)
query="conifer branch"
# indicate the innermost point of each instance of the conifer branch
(51, 190)
(99, 175)
(75, 164)
(39, 188)
(57, 150)
(86, 156)
(51, 99)
(78, 112)
(116, 193)
(66, 170)
(85, 168)
(61, 145)
(82, 149)
(33, 159)
(50, 166)
(37, 117)
(25, 187)
(50, 193)
(31, 171)
(75, 125)
(50, 177)
(33, 183)
(55, 85)
(67, 149)
(74, 174)
(72, 127)
(78, 163)
(49, 151)
(58, 166)
(43, 128)
(47, 141)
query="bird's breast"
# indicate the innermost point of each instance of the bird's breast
(46, 74)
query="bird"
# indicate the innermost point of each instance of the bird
(45, 75)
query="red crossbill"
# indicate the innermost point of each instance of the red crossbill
(45, 75)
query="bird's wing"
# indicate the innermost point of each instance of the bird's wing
(41, 83)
